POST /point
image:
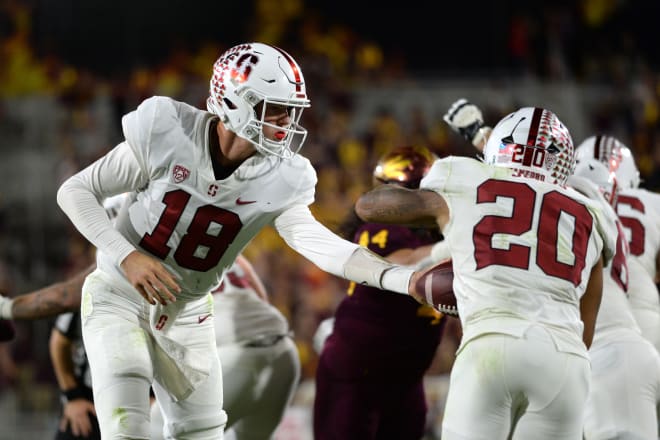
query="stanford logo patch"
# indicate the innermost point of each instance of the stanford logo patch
(180, 173)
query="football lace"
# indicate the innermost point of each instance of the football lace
(447, 310)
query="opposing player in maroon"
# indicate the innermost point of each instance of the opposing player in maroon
(369, 379)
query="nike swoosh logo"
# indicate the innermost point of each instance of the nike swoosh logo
(201, 319)
(244, 202)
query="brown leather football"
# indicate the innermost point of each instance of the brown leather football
(436, 287)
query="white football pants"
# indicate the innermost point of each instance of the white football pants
(501, 383)
(259, 383)
(625, 388)
(120, 332)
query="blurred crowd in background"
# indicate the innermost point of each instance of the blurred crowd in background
(58, 114)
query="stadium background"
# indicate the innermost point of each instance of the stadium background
(378, 76)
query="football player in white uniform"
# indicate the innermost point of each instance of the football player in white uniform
(625, 375)
(528, 258)
(639, 211)
(206, 183)
(625, 367)
(260, 361)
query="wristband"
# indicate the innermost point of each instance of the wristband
(79, 392)
(469, 132)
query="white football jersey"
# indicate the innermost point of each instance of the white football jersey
(615, 310)
(196, 224)
(240, 315)
(639, 211)
(522, 249)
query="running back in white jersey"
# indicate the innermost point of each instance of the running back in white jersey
(196, 224)
(522, 249)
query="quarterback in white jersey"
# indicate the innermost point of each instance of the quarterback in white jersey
(527, 255)
(639, 212)
(205, 183)
(625, 367)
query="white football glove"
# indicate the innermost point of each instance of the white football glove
(466, 119)
(5, 307)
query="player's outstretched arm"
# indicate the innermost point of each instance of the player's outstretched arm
(338, 256)
(48, 301)
(590, 302)
(410, 207)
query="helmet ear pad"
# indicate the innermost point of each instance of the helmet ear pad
(236, 113)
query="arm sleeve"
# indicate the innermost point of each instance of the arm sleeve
(307, 236)
(80, 198)
(331, 253)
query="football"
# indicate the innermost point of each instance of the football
(436, 286)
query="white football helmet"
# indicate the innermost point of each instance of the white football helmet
(614, 154)
(598, 173)
(249, 78)
(533, 141)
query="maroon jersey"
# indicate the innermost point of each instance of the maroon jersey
(369, 379)
(390, 323)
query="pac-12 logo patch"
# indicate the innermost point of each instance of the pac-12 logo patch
(180, 173)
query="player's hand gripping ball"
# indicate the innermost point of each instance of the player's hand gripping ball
(435, 286)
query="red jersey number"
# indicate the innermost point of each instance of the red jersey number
(197, 238)
(521, 221)
(637, 231)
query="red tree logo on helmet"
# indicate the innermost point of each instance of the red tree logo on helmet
(241, 72)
